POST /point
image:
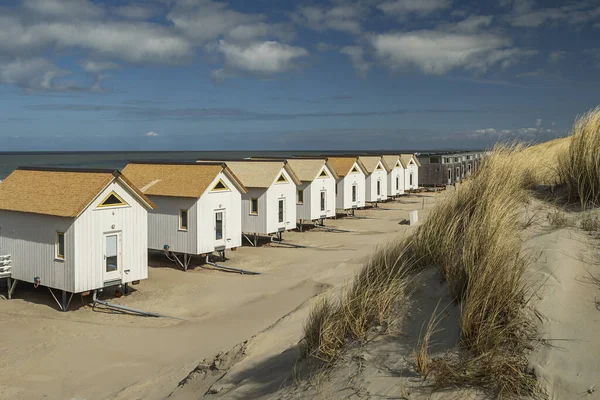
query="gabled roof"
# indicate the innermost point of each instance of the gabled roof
(370, 162)
(390, 161)
(259, 174)
(61, 192)
(177, 179)
(407, 157)
(307, 170)
(342, 165)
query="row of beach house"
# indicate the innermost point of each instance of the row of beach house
(83, 230)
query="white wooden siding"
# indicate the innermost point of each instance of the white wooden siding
(412, 168)
(278, 191)
(311, 209)
(397, 172)
(254, 223)
(30, 240)
(229, 201)
(371, 186)
(317, 186)
(89, 229)
(344, 190)
(163, 224)
(303, 210)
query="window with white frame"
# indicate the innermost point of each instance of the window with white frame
(60, 245)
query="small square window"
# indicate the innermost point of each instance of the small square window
(60, 245)
(254, 206)
(183, 220)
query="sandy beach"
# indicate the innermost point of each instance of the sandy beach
(98, 354)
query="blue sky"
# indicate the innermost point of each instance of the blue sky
(270, 74)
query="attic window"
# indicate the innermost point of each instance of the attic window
(323, 174)
(354, 170)
(112, 200)
(281, 179)
(398, 164)
(378, 168)
(219, 187)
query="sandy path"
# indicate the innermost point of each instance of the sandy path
(570, 365)
(94, 355)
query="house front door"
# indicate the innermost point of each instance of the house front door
(219, 229)
(112, 257)
(323, 203)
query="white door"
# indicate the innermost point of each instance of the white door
(219, 228)
(281, 213)
(112, 257)
(323, 202)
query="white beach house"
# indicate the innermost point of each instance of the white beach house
(376, 179)
(74, 230)
(350, 193)
(412, 165)
(198, 207)
(269, 206)
(395, 175)
(315, 196)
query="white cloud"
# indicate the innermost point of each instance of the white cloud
(98, 66)
(129, 41)
(356, 54)
(471, 24)
(487, 131)
(525, 14)
(538, 123)
(556, 56)
(208, 20)
(343, 18)
(152, 134)
(65, 8)
(401, 8)
(530, 132)
(34, 74)
(437, 52)
(264, 58)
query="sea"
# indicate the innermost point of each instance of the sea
(118, 160)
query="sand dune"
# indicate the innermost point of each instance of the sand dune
(566, 361)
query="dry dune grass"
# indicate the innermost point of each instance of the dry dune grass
(543, 160)
(368, 302)
(473, 238)
(579, 165)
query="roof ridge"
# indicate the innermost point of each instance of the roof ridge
(113, 171)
